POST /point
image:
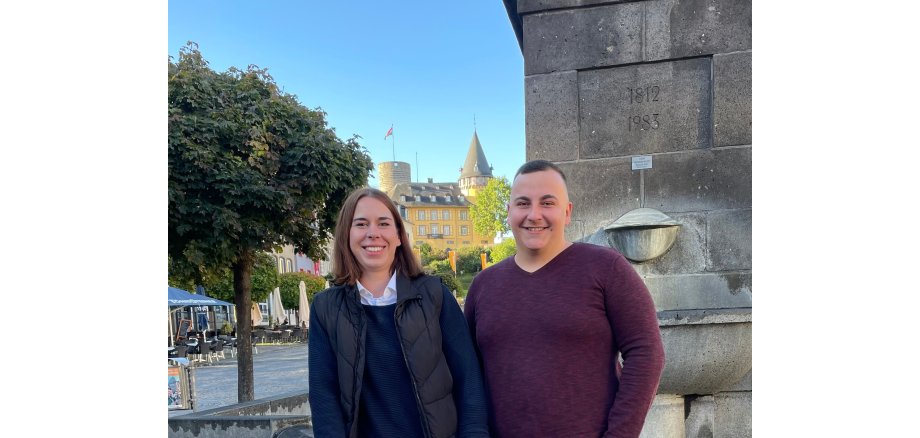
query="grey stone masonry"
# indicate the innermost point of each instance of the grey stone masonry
(630, 32)
(720, 290)
(732, 415)
(525, 6)
(557, 41)
(703, 180)
(729, 236)
(691, 181)
(731, 113)
(643, 109)
(551, 101)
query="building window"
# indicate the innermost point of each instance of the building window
(485, 242)
(434, 229)
(280, 264)
(464, 230)
(463, 215)
(421, 230)
(466, 242)
(434, 215)
(421, 215)
(290, 266)
(450, 242)
(445, 214)
(447, 230)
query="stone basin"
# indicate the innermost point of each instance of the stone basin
(706, 350)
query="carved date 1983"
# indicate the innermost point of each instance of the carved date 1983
(642, 122)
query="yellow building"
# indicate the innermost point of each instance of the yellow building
(439, 213)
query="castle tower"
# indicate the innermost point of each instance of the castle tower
(390, 173)
(476, 171)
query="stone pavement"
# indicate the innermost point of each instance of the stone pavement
(277, 369)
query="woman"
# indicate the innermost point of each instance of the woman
(390, 351)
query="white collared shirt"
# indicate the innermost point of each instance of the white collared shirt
(388, 297)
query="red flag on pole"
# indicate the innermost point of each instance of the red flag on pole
(389, 133)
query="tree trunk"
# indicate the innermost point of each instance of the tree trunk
(242, 286)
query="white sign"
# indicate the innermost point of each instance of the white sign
(641, 162)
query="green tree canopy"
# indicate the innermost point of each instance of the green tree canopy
(265, 279)
(468, 259)
(290, 287)
(503, 250)
(250, 170)
(489, 211)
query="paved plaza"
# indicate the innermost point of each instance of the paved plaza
(277, 369)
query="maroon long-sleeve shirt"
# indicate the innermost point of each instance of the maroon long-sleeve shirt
(548, 341)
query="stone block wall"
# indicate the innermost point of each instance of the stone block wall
(609, 80)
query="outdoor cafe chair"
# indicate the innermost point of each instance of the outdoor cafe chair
(204, 352)
(285, 336)
(217, 350)
(258, 336)
(178, 351)
(229, 344)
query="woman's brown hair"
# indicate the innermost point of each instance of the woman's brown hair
(345, 267)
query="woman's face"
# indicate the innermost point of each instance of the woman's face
(374, 237)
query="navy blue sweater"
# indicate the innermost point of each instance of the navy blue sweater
(388, 406)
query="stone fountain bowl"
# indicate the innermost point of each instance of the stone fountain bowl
(644, 244)
(643, 234)
(706, 350)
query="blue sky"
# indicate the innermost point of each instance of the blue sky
(425, 67)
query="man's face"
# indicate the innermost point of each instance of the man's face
(539, 210)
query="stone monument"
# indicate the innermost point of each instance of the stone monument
(667, 81)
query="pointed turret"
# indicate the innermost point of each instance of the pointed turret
(476, 171)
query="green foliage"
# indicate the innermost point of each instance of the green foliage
(264, 280)
(226, 328)
(439, 266)
(468, 259)
(503, 250)
(465, 279)
(433, 255)
(290, 287)
(489, 213)
(250, 168)
(449, 280)
(424, 249)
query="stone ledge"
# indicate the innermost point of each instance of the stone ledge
(704, 316)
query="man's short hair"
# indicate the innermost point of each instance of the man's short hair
(539, 166)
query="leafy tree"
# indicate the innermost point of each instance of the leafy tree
(468, 259)
(290, 287)
(449, 280)
(489, 212)
(265, 279)
(503, 250)
(424, 249)
(250, 170)
(439, 266)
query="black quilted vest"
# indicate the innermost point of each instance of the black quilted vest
(418, 310)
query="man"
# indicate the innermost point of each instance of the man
(550, 322)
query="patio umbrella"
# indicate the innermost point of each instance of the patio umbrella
(303, 313)
(277, 307)
(256, 314)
